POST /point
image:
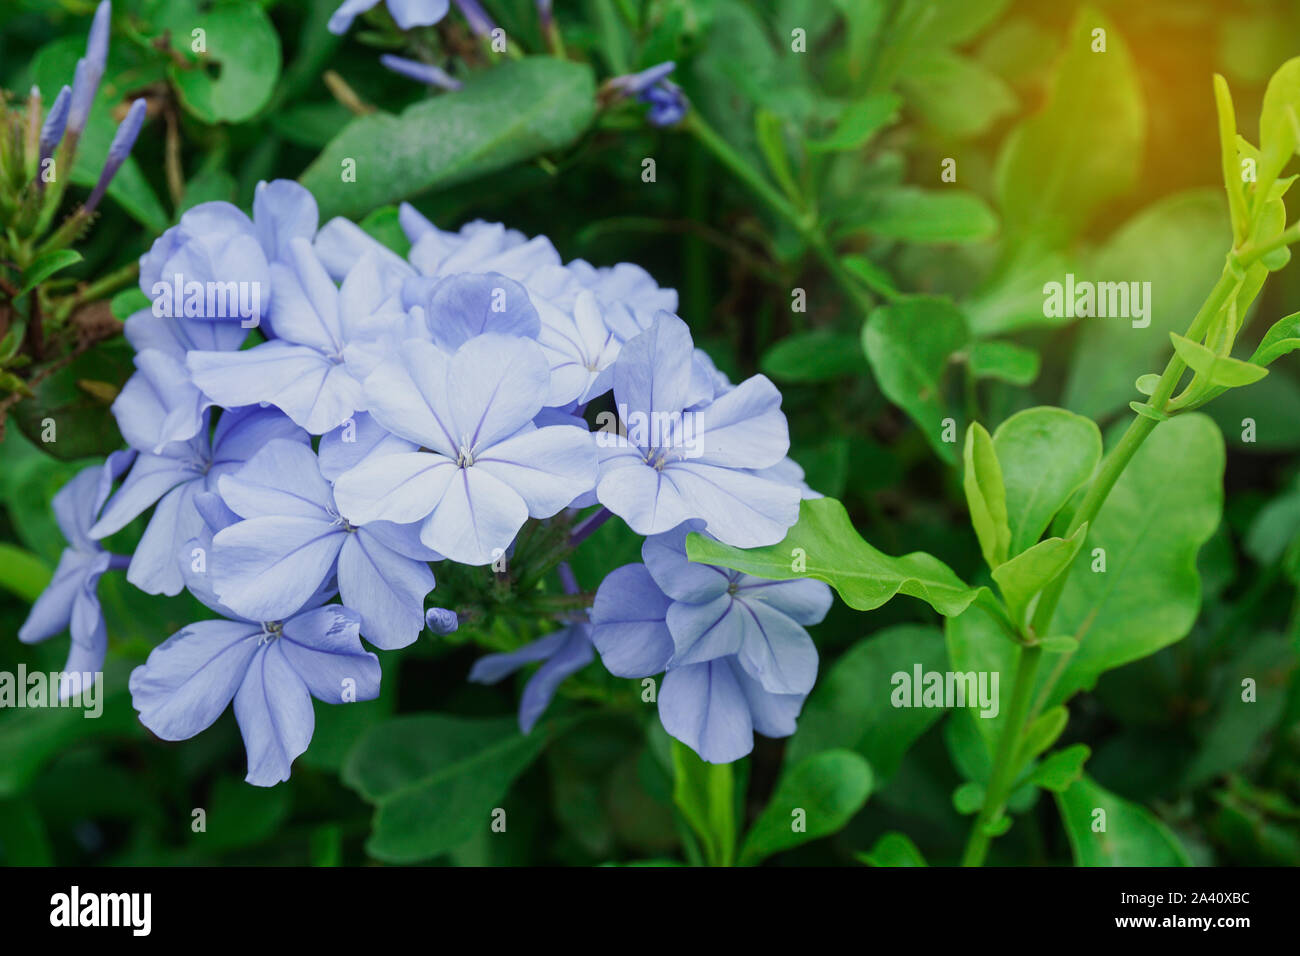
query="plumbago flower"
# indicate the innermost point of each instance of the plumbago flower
(446, 395)
(293, 539)
(71, 601)
(171, 478)
(487, 467)
(734, 648)
(406, 13)
(270, 669)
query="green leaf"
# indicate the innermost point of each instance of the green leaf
(824, 545)
(954, 22)
(239, 815)
(1059, 771)
(1218, 369)
(860, 121)
(985, 495)
(46, 266)
(893, 849)
(1023, 577)
(1233, 184)
(1060, 644)
(1283, 337)
(968, 798)
(127, 302)
(1176, 244)
(814, 798)
(818, 356)
(435, 779)
(1132, 835)
(1059, 166)
(873, 277)
(502, 116)
(22, 572)
(1279, 120)
(909, 343)
(384, 225)
(1004, 361)
(1146, 384)
(1164, 506)
(83, 423)
(917, 215)
(1042, 733)
(954, 94)
(1046, 454)
(704, 792)
(237, 74)
(840, 714)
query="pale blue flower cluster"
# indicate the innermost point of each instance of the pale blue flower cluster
(316, 417)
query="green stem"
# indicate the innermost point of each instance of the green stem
(1020, 713)
(801, 220)
(1005, 766)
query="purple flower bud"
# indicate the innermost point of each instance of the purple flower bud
(118, 150)
(97, 42)
(476, 17)
(55, 120)
(420, 72)
(84, 85)
(634, 84)
(441, 620)
(544, 13)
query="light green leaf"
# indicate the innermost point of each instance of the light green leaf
(1279, 120)
(1059, 166)
(502, 116)
(861, 120)
(1059, 771)
(1004, 361)
(1023, 577)
(909, 343)
(434, 779)
(954, 22)
(917, 215)
(771, 142)
(1046, 454)
(893, 849)
(1042, 733)
(704, 792)
(824, 545)
(954, 94)
(873, 277)
(985, 495)
(817, 356)
(1283, 337)
(851, 705)
(236, 76)
(46, 266)
(1165, 505)
(968, 798)
(22, 572)
(1218, 369)
(1132, 835)
(822, 792)
(1177, 244)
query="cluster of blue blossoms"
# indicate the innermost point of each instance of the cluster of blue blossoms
(391, 413)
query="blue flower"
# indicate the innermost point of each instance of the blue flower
(734, 648)
(71, 600)
(406, 13)
(270, 669)
(293, 539)
(303, 371)
(487, 467)
(171, 478)
(563, 653)
(687, 454)
(651, 86)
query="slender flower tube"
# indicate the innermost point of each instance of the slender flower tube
(118, 150)
(476, 17)
(55, 121)
(420, 72)
(544, 14)
(90, 70)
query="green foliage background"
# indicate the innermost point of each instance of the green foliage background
(1104, 165)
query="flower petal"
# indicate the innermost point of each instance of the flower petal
(385, 588)
(703, 706)
(402, 487)
(628, 623)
